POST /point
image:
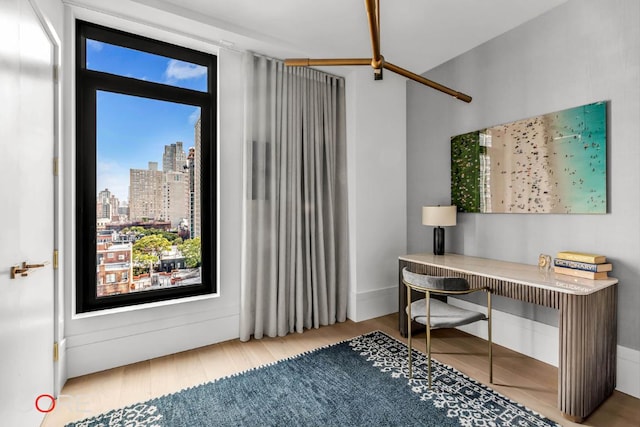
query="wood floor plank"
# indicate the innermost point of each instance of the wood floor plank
(528, 381)
(216, 361)
(174, 372)
(136, 384)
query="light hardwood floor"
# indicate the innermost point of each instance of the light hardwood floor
(521, 378)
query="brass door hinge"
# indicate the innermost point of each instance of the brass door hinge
(56, 167)
(55, 259)
(55, 351)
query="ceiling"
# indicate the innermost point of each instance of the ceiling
(415, 34)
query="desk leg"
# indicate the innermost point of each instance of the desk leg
(588, 343)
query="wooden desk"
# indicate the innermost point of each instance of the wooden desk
(587, 323)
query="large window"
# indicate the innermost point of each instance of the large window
(145, 170)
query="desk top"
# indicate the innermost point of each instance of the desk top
(525, 274)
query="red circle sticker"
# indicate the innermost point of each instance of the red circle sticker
(45, 396)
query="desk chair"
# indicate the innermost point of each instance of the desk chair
(439, 314)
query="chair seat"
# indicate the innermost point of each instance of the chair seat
(443, 315)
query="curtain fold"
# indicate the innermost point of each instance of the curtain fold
(295, 237)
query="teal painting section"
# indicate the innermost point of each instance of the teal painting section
(580, 136)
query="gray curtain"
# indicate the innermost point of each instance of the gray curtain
(295, 240)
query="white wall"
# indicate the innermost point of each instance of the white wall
(53, 13)
(376, 131)
(581, 52)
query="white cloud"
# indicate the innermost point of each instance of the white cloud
(94, 45)
(179, 70)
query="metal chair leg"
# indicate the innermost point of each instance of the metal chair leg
(428, 301)
(409, 328)
(489, 339)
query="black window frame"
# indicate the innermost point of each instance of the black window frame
(88, 83)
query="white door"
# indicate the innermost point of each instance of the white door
(26, 214)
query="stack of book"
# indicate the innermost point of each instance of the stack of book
(579, 264)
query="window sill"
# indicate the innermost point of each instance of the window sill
(146, 306)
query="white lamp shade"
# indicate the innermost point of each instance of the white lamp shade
(441, 216)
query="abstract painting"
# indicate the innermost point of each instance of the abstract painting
(553, 163)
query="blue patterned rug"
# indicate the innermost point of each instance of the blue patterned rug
(359, 382)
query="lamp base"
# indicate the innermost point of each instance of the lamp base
(438, 241)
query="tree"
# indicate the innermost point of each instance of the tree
(148, 250)
(192, 252)
(134, 229)
(142, 262)
(135, 232)
(169, 235)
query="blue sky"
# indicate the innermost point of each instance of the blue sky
(133, 131)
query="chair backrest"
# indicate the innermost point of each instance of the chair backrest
(434, 282)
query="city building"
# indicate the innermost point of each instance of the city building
(174, 158)
(146, 193)
(123, 211)
(175, 197)
(107, 206)
(172, 260)
(197, 177)
(114, 268)
(162, 195)
(191, 165)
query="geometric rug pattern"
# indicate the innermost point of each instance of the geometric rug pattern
(468, 401)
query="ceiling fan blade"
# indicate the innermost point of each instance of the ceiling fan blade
(408, 74)
(306, 62)
(373, 15)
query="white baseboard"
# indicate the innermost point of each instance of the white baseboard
(60, 375)
(541, 342)
(98, 355)
(628, 375)
(370, 304)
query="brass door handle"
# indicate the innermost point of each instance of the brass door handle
(24, 269)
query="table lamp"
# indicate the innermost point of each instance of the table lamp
(438, 216)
